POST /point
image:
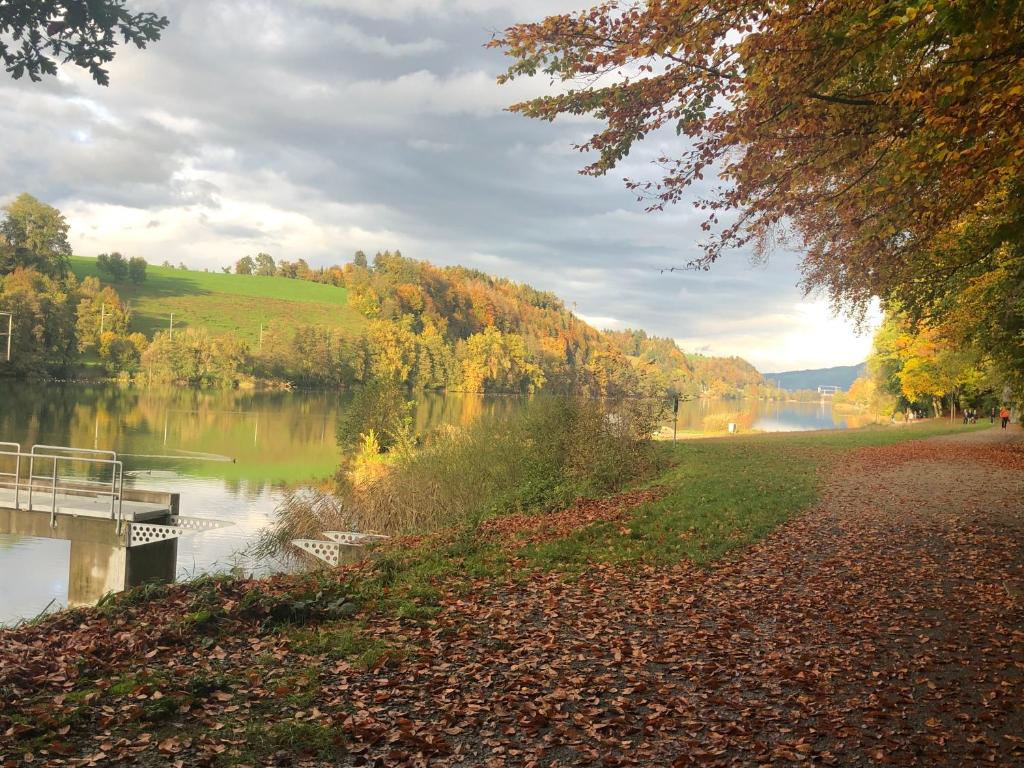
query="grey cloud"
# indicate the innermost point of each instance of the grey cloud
(386, 112)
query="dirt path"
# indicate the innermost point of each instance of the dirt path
(884, 627)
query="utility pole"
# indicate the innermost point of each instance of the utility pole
(9, 334)
(261, 337)
(675, 418)
(171, 332)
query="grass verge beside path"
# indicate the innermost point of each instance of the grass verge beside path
(723, 494)
(229, 672)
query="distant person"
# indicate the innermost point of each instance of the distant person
(1004, 416)
(967, 416)
(992, 415)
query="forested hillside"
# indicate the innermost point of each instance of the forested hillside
(724, 376)
(274, 322)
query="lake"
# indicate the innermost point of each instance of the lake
(231, 456)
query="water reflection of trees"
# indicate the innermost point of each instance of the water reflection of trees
(274, 437)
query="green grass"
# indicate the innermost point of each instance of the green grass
(339, 642)
(225, 303)
(721, 494)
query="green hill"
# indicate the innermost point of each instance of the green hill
(220, 302)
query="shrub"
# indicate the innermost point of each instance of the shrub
(537, 459)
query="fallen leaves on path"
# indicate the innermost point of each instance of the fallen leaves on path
(535, 529)
(876, 629)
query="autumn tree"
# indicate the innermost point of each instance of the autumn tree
(862, 131)
(122, 354)
(921, 365)
(495, 361)
(100, 311)
(44, 329)
(245, 266)
(393, 351)
(34, 235)
(37, 35)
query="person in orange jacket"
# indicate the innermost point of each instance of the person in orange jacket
(1004, 415)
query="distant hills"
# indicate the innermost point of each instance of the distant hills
(841, 376)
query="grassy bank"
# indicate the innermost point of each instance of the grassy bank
(721, 494)
(225, 303)
(229, 672)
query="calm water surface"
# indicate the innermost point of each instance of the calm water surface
(231, 456)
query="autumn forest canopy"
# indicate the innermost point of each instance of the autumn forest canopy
(883, 139)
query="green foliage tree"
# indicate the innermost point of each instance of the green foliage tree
(314, 356)
(381, 407)
(137, 270)
(264, 265)
(44, 322)
(34, 235)
(36, 35)
(193, 357)
(112, 266)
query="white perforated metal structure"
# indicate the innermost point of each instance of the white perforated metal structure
(147, 533)
(328, 551)
(354, 538)
(140, 534)
(198, 523)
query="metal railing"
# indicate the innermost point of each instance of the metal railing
(49, 473)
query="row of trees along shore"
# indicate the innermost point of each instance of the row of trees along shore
(425, 327)
(428, 328)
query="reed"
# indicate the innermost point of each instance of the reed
(535, 460)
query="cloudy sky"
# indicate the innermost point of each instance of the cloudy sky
(313, 128)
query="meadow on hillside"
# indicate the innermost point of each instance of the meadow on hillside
(224, 303)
